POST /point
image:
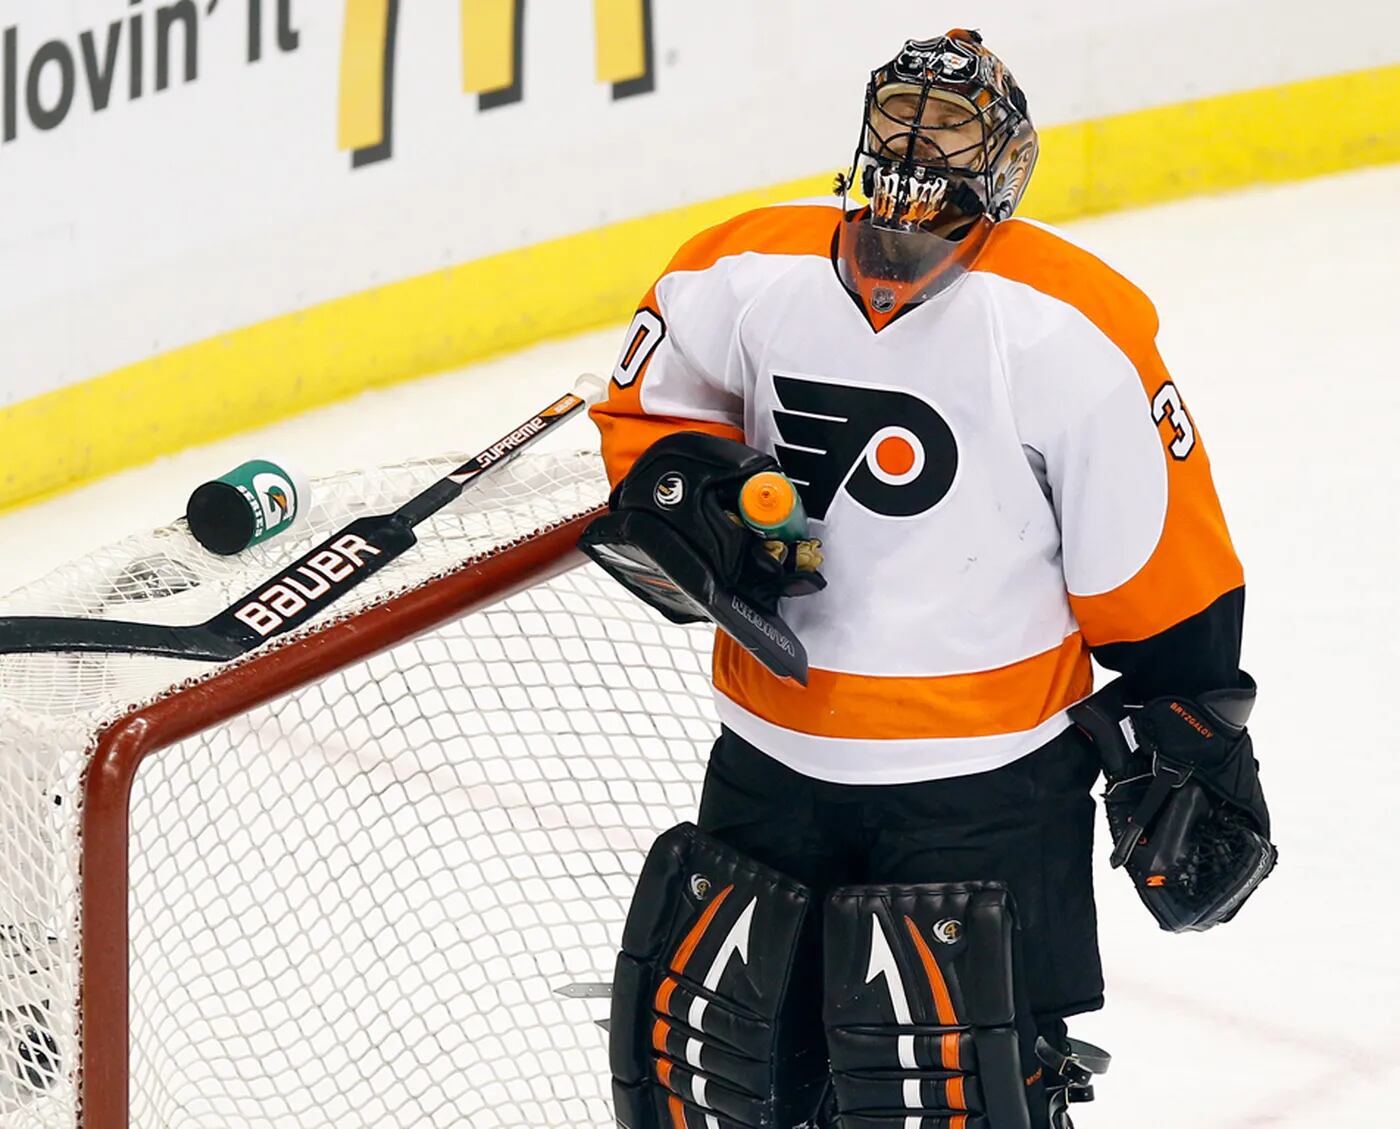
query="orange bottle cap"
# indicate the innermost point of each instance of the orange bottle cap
(767, 499)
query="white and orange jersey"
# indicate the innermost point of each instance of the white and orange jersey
(1002, 477)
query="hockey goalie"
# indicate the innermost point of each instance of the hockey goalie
(883, 914)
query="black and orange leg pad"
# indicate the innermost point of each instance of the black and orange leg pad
(921, 1009)
(716, 1006)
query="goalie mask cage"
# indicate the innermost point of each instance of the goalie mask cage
(363, 876)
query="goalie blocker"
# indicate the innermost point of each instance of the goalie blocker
(732, 994)
(673, 539)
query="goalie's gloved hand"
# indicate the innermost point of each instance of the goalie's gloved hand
(798, 560)
(1185, 806)
(691, 481)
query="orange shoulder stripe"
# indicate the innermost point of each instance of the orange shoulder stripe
(785, 229)
(1038, 258)
(1194, 561)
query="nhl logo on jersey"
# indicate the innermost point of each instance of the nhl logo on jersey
(889, 450)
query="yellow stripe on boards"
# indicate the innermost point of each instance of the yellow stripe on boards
(1276, 134)
(464, 313)
(362, 74)
(488, 45)
(620, 38)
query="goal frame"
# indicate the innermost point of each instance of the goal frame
(103, 1069)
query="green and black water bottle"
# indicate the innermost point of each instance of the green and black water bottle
(251, 503)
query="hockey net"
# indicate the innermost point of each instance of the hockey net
(365, 876)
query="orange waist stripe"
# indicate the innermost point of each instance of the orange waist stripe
(1009, 699)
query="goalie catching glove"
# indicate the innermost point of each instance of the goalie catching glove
(1185, 807)
(674, 539)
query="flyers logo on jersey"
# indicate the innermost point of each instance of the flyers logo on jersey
(889, 450)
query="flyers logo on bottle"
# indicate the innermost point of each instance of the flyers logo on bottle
(889, 450)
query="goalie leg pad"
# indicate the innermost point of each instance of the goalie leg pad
(716, 996)
(924, 1023)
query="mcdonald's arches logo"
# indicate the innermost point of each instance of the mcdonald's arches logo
(492, 51)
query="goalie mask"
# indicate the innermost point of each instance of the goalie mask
(946, 150)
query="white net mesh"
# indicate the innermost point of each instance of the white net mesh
(358, 905)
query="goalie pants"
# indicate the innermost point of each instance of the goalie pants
(1028, 824)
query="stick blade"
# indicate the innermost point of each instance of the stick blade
(36, 634)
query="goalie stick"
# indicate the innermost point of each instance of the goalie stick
(319, 577)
